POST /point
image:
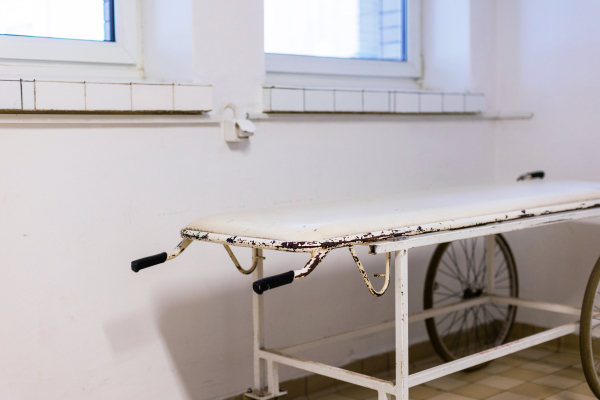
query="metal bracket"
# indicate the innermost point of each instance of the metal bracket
(255, 258)
(362, 271)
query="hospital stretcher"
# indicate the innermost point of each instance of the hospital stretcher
(471, 288)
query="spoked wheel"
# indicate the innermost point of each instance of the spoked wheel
(589, 331)
(457, 272)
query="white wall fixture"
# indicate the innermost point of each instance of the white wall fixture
(98, 97)
(235, 130)
(333, 100)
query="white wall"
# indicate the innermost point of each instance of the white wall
(78, 202)
(547, 61)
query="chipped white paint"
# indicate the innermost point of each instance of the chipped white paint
(366, 277)
(179, 249)
(563, 212)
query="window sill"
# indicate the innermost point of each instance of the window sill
(33, 96)
(342, 100)
(329, 116)
(129, 119)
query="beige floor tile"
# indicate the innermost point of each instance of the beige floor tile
(582, 388)
(535, 373)
(510, 396)
(534, 353)
(476, 391)
(450, 396)
(500, 382)
(521, 374)
(469, 376)
(573, 373)
(445, 383)
(534, 390)
(570, 396)
(495, 368)
(562, 359)
(556, 381)
(422, 392)
(542, 367)
(358, 392)
(333, 396)
(513, 361)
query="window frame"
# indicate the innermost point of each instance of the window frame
(124, 51)
(411, 68)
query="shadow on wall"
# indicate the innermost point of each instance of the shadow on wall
(201, 331)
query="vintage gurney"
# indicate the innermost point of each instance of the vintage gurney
(471, 288)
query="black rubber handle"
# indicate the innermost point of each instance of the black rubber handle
(148, 261)
(532, 175)
(271, 282)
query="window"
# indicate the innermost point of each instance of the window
(88, 31)
(343, 37)
(63, 19)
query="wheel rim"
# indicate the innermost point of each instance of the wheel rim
(594, 336)
(590, 331)
(458, 272)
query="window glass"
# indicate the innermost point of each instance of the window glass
(64, 19)
(366, 29)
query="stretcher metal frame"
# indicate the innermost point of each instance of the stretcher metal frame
(398, 242)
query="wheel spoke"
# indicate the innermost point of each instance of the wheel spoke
(452, 256)
(441, 321)
(449, 289)
(463, 246)
(476, 326)
(459, 333)
(451, 324)
(451, 273)
(492, 320)
(481, 271)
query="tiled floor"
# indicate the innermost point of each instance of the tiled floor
(536, 373)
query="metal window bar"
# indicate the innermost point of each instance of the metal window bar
(391, 46)
(109, 21)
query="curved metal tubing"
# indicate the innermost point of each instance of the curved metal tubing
(366, 277)
(179, 249)
(255, 258)
(315, 258)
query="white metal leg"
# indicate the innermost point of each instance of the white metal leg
(273, 379)
(401, 311)
(266, 371)
(490, 252)
(258, 312)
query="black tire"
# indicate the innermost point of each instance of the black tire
(587, 343)
(446, 284)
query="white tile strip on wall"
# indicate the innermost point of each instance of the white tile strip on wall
(102, 96)
(284, 99)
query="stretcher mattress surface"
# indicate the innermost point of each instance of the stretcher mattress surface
(323, 221)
